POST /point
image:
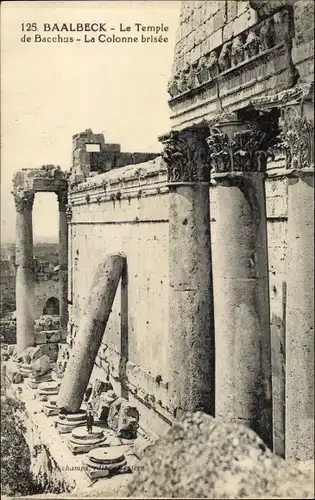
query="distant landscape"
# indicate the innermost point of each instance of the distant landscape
(44, 251)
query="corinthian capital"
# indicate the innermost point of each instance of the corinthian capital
(23, 198)
(62, 197)
(185, 154)
(297, 138)
(69, 212)
(236, 146)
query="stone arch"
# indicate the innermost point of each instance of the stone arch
(51, 306)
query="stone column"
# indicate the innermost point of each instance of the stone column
(89, 337)
(243, 344)
(24, 199)
(191, 318)
(63, 262)
(298, 141)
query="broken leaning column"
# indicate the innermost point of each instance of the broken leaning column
(297, 125)
(89, 337)
(238, 154)
(63, 262)
(191, 318)
(24, 199)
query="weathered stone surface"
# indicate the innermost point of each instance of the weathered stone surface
(113, 416)
(31, 354)
(41, 366)
(16, 377)
(128, 421)
(104, 402)
(202, 458)
(47, 322)
(98, 388)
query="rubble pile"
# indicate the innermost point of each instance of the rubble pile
(202, 458)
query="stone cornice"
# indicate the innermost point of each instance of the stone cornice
(129, 175)
(297, 94)
(136, 181)
(186, 156)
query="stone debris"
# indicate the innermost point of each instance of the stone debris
(128, 421)
(123, 418)
(202, 458)
(81, 441)
(105, 462)
(98, 388)
(16, 377)
(104, 402)
(47, 322)
(31, 354)
(41, 366)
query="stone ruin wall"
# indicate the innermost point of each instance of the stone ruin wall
(127, 210)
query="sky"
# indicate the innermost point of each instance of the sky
(51, 91)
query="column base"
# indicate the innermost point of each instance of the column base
(105, 462)
(66, 423)
(81, 441)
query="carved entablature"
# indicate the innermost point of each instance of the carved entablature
(48, 178)
(238, 147)
(62, 197)
(242, 50)
(23, 198)
(185, 154)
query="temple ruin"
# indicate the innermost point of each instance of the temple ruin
(187, 279)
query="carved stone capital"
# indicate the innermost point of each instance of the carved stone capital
(62, 197)
(237, 146)
(23, 198)
(297, 137)
(69, 212)
(186, 156)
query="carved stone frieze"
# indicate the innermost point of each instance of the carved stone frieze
(62, 197)
(23, 198)
(186, 156)
(246, 149)
(297, 138)
(259, 39)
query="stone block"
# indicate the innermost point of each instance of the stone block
(219, 19)
(113, 415)
(128, 421)
(216, 39)
(240, 24)
(303, 21)
(228, 31)
(231, 10)
(53, 336)
(104, 403)
(41, 366)
(40, 338)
